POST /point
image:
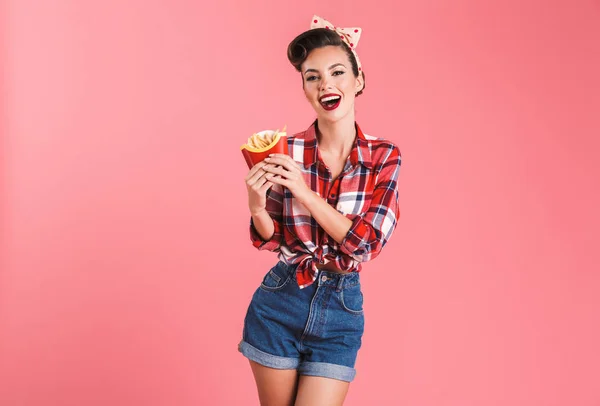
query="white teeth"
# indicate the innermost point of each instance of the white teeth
(326, 99)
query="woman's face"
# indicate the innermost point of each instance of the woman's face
(329, 83)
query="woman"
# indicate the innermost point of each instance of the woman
(325, 209)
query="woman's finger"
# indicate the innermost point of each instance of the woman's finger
(257, 175)
(285, 161)
(265, 187)
(256, 168)
(279, 170)
(279, 180)
(260, 180)
(289, 159)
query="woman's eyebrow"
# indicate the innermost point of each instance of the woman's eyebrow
(335, 65)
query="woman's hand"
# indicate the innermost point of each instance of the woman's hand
(283, 170)
(257, 184)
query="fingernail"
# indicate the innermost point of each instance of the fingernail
(267, 159)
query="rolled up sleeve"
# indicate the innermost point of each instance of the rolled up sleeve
(370, 231)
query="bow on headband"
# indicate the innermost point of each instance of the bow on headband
(349, 35)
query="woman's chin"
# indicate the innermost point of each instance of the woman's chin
(329, 116)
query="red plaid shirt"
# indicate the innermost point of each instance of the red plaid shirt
(365, 192)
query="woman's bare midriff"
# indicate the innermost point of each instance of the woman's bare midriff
(330, 266)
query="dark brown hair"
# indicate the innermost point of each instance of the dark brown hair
(301, 46)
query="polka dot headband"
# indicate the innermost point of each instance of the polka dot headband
(349, 35)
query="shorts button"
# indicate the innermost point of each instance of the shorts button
(323, 278)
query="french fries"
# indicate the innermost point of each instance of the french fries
(260, 141)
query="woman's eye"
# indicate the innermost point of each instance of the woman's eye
(338, 72)
(310, 78)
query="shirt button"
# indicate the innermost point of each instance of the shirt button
(323, 278)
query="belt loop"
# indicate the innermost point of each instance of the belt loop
(340, 283)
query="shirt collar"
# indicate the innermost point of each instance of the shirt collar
(360, 153)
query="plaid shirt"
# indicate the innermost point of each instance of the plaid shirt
(365, 192)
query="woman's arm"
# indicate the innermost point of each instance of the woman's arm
(283, 170)
(265, 204)
(361, 237)
(269, 222)
(332, 221)
(263, 224)
(372, 230)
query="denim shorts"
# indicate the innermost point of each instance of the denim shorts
(316, 330)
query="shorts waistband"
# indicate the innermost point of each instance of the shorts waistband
(328, 278)
(337, 280)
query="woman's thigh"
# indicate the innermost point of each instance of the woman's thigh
(276, 387)
(319, 391)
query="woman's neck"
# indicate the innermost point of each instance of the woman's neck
(336, 138)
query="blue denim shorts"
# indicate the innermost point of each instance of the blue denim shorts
(316, 330)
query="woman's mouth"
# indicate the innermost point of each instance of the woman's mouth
(330, 101)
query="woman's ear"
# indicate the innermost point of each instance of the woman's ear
(360, 82)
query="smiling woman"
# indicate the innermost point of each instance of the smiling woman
(325, 209)
(338, 79)
(300, 48)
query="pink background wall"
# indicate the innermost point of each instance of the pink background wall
(127, 268)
